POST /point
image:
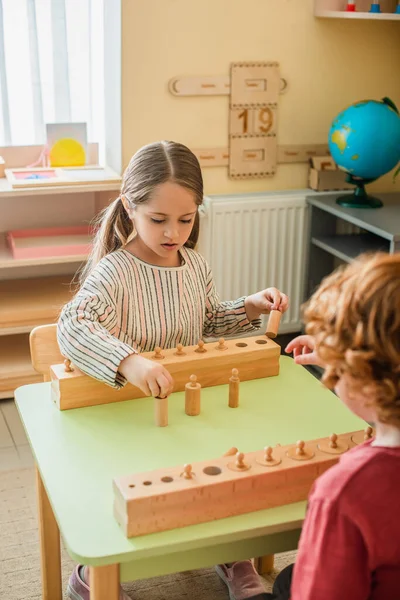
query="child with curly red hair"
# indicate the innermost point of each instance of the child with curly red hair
(350, 542)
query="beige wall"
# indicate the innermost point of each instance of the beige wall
(328, 64)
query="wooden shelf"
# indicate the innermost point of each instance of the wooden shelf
(8, 262)
(348, 247)
(15, 365)
(336, 9)
(7, 191)
(26, 303)
(336, 14)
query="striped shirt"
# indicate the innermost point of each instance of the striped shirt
(127, 305)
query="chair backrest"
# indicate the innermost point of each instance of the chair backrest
(44, 349)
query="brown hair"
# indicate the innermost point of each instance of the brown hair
(354, 317)
(151, 166)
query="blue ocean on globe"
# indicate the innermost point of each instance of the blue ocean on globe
(364, 139)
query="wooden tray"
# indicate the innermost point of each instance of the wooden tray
(52, 241)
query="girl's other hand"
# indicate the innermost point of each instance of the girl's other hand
(152, 378)
(265, 301)
(303, 348)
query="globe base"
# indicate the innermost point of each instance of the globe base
(359, 198)
(353, 201)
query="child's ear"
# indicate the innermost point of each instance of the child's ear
(127, 206)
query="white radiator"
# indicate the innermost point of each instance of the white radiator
(255, 241)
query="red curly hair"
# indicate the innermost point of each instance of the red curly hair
(354, 317)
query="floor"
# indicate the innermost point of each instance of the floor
(15, 452)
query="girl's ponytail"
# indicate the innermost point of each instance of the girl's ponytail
(114, 227)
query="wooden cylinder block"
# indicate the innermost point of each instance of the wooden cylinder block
(192, 397)
(234, 382)
(161, 411)
(273, 323)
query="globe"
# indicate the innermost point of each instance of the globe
(364, 141)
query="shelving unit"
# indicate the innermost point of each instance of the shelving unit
(374, 230)
(15, 364)
(336, 9)
(33, 290)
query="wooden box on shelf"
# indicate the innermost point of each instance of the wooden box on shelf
(324, 175)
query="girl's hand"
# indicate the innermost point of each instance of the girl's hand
(303, 347)
(152, 378)
(265, 301)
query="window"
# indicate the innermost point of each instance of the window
(51, 68)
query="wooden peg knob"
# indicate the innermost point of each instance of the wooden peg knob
(193, 381)
(273, 323)
(221, 344)
(235, 375)
(333, 440)
(300, 452)
(239, 464)
(240, 460)
(200, 347)
(187, 472)
(158, 353)
(268, 454)
(231, 452)
(300, 448)
(179, 350)
(368, 433)
(67, 365)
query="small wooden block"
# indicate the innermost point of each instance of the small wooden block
(234, 383)
(192, 397)
(161, 411)
(299, 452)
(273, 323)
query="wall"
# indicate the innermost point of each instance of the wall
(328, 63)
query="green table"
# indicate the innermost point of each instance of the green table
(78, 452)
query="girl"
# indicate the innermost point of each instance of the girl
(145, 286)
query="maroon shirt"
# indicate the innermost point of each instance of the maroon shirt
(350, 543)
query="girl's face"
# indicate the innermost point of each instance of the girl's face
(163, 224)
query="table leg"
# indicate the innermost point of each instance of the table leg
(49, 545)
(264, 564)
(104, 582)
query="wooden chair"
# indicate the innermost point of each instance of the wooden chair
(44, 349)
(45, 352)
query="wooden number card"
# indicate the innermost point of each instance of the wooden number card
(253, 149)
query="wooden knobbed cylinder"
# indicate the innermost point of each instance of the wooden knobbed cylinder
(234, 382)
(161, 411)
(273, 323)
(192, 397)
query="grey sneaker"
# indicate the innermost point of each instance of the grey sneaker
(78, 589)
(242, 581)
